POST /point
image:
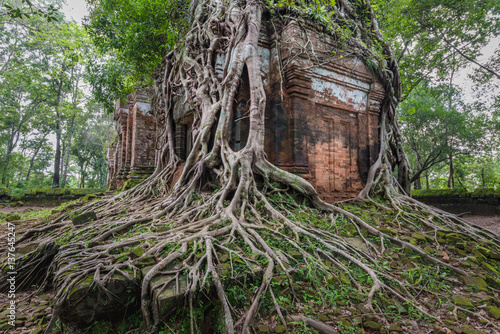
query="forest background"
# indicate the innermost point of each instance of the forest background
(59, 80)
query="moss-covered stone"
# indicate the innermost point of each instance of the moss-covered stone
(263, 329)
(493, 312)
(280, 329)
(165, 293)
(462, 301)
(475, 282)
(372, 325)
(84, 218)
(357, 243)
(492, 281)
(454, 238)
(457, 251)
(479, 256)
(389, 231)
(489, 267)
(13, 217)
(136, 252)
(395, 328)
(323, 317)
(469, 330)
(88, 301)
(494, 255)
(419, 237)
(473, 259)
(440, 193)
(486, 252)
(88, 197)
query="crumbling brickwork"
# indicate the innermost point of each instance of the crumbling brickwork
(321, 120)
(132, 157)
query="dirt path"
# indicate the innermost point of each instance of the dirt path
(23, 209)
(489, 222)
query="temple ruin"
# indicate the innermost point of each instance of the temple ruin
(321, 120)
(132, 155)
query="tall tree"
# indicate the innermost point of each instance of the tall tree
(437, 128)
(433, 38)
(63, 48)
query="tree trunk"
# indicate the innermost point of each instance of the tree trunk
(11, 145)
(451, 180)
(5, 168)
(482, 177)
(417, 183)
(32, 160)
(83, 171)
(57, 158)
(70, 136)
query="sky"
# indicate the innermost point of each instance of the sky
(75, 10)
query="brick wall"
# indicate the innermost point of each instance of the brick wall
(321, 120)
(133, 155)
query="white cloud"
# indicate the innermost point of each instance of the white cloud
(75, 10)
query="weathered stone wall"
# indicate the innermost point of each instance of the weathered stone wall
(484, 202)
(321, 120)
(44, 196)
(327, 125)
(132, 157)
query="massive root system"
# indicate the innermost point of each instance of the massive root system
(255, 241)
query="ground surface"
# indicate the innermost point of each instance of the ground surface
(489, 222)
(23, 209)
(34, 306)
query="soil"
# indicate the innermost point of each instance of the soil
(33, 307)
(23, 209)
(490, 222)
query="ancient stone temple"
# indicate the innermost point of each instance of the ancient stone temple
(321, 120)
(132, 156)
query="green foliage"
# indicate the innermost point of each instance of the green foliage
(432, 39)
(132, 37)
(42, 69)
(436, 126)
(26, 9)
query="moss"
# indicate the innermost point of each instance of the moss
(56, 192)
(263, 329)
(88, 197)
(476, 282)
(488, 192)
(13, 217)
(280, 329)
(456, 193)
(493, 312)
(469, 330)
(419, 237)
(489, 267)
(395, 328)
(372, 325)
(441, 193)
(462, 301)
(389, 231)
(137, 252)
